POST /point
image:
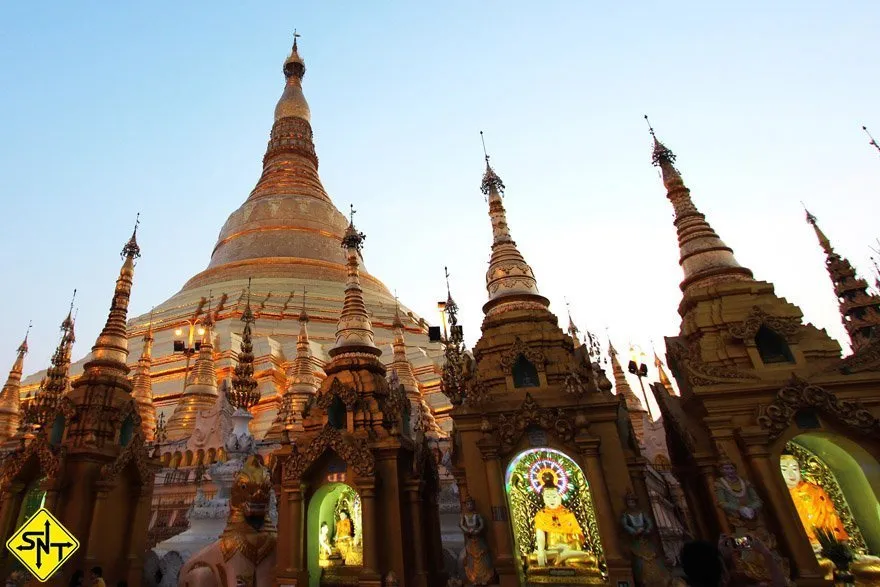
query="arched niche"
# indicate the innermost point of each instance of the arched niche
(833, 468)
(524, 373)
(337, 414)
(341, 545)
(551, 509)
(772, 347)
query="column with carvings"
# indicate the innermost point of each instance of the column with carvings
(757, 443)
(503, 555)
(588, 446)
(370, 522)
(413, 490)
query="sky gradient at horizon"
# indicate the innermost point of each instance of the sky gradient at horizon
(164, 109)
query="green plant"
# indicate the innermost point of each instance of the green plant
(833, 549)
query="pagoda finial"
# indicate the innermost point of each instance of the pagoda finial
(57, 381)
(23, 347)
(110, 351)
(872, 142)
(303, 315)
(293, 103)
(573, 331)
(703, 255)
(859, 309)
(142, 386)
(354, 331)
(244, 394)
(10, 395)
(509, 275)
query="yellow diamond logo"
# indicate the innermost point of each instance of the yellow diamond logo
(42, 544)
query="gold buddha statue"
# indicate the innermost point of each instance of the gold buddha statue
(813, 504)
(558, 534)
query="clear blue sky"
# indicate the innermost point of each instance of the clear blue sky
(110, 108)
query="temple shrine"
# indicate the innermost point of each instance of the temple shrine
(285, 420)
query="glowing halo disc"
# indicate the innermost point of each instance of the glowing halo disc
(539, 468)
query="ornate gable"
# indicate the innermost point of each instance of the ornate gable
(533, 355)
(353, 451)
(345, 393)
(800, 394)
(510, 428)
(786, 327)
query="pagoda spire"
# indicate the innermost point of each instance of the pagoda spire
(110, 352)
(400, 363)
(621, 386)
(244, 394)
(859, 310)
(509, 277)
(56, 383)
(573, 331)
(354, 331)
(10, 396)
(200, 391)
(302, 384)
(704, 257)
(142, 386)
(662, 376)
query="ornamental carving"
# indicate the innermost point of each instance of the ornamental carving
(699, 373)
(800, 394)
(50, 460)
(867, 358)
(345, 393)
(353, 451)
(533, 355)
(510, 428)
(135, 453)
(787, 327)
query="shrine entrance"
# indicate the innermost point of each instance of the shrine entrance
(335, 535)
(554, 525)
(834, 484)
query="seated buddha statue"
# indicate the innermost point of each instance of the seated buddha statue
(813, 504)
(558, 535)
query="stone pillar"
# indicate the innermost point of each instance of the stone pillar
(12, 496)
(608, 523)
(419, 574)
(503, 555)
(99, 520)
(137, 541)
(282, 545)
(367, 488)
(781, 506)
(708, 475)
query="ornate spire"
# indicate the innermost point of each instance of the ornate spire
(354, 331)
(661, 373)
(704, 257)
(57, 381)
(400, 363)
(10, 396)
(244, 394)
(573, 331)
(293, 102)
(142, 385)
(110, 352)
(200, 392)
(621, 386)
(509, 277)
(872, 142)
(859, 310)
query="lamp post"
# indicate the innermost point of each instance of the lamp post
(186, 346)
(640, 371)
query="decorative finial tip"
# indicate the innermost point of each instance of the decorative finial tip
(352, 237)
(131, 249)
(650, 128)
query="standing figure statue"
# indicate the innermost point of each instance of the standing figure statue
(738, 499)
(475, 557)
(648, 566)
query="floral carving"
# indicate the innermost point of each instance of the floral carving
(345, 393)
(510, 428)
(534, 356)
(135, 452)
(50, 460)
(800, 394)
(746, 330)
(353, 451)
(867, 358)
(699, 373)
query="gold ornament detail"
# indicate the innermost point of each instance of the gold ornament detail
(533, 355)
(511, 428)
(787, 327)
(353, 451)
(699, 373)
(865, 359)
(815, 471)
(799, 394)
(136, 452)
(345, 393)
(50, 460)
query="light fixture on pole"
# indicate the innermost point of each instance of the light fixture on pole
(640, 370)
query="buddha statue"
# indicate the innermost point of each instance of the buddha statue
(813, 504)
(344, 535)
(558, 534)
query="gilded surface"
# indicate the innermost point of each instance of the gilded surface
(800, 394)
(815, 471)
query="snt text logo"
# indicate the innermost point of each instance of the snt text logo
(42, 544)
